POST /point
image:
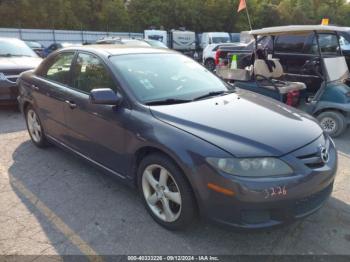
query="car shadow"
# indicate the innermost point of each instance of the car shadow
(9, 120)
(109, 216)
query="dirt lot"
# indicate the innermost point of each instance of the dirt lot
(54, 203)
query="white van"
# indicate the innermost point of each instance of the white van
(159, 35)
(214, 38)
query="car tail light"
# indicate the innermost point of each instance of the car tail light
(217, 57)
(293, 98)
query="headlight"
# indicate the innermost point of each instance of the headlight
(251, 167)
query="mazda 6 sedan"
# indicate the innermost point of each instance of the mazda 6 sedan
(190, 143)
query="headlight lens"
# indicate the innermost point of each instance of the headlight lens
(251, 167)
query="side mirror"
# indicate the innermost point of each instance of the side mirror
(105, 96)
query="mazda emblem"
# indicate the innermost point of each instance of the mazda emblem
(324, 154)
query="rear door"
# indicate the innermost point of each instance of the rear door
(96, 131)
(49, 85)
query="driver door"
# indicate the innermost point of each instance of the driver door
(96, 131)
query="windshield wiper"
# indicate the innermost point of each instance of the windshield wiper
(169, 101)
(211, 94)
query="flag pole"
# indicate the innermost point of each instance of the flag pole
(250, 23)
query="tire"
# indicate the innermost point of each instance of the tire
(332, 122)
(156, 195)
(210, 64)
(35, 128)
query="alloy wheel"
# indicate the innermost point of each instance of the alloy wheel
(161, 193)
(34, 126)
(328, 124)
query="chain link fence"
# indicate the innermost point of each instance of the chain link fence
(48, 36)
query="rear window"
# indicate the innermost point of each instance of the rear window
(290, 43)
(328, 44)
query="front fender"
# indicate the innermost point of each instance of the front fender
(186, 150)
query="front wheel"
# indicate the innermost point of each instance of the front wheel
(165, 192)
(333, 123)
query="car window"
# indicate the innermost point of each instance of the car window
(265, 42)
(328, 44)
(290, 43)
(90, 73)
(344, 43)
(59, 71)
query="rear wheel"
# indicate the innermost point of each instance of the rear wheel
(333, 123)
(165, 192)
(35, 128)
(210, 64)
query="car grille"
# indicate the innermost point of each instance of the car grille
(312, 202)
(310, 155)
(312, 161)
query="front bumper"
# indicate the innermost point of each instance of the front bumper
(267, 202)
(8, 92)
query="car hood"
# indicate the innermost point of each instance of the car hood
(14, 63)
(244, 124)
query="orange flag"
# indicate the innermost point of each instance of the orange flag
(242, 6)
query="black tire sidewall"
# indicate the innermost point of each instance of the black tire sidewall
(188, 206)
(210, 62)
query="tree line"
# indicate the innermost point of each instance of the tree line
(196, 15)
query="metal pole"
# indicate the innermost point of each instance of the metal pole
(54, 35)
(250, 23)
(318, 43)
(82, 34)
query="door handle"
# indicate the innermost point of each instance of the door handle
(35, 87)
(71, 104)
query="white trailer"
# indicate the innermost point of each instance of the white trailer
(159, 35)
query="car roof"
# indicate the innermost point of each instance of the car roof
(111, 49)
(297, 29)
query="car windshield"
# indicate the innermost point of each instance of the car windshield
(222, 39)
(15, 48)
(159, 77)
(34, 44)
(155, 43)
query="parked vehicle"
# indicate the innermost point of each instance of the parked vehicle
(158, 35)
(56, 46)
(15, 58)
(209, 54)
(123, 41)
(329, 102)
(189, 142)
(236, 38)
(37, 47)
(184, 42)
(293, 51)
(209, 38)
